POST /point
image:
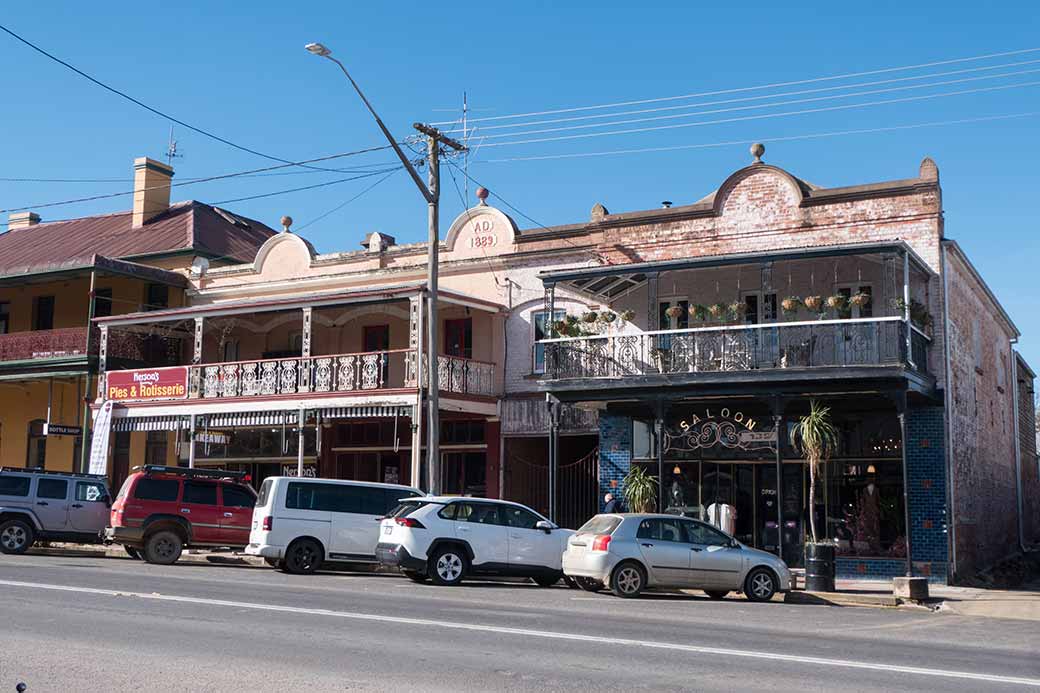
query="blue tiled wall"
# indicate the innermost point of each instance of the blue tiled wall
(926, 471)
(887, 568)
(615, 453)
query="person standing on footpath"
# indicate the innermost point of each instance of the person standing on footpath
(612, 505)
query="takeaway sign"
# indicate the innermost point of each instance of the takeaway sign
(147, 384)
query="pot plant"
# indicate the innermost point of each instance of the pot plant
(699, 312)
(640, 491)
(590, 317)
(790, 305)
(737, 310)
(627, 315)
(816, 438)
(813, 303)
(860, 299)
(717, 310)
(607, 317)
(673, 312)
(837, 302)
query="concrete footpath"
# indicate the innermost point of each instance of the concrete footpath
(1020, 604)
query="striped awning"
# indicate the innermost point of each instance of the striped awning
(250, 419)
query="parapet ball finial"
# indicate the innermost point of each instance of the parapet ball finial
(757, 150)
(286, 223)
(482, 194)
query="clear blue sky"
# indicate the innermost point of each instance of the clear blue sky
(240, 70)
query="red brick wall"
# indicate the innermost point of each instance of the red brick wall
(983, 429)
(1027, 444)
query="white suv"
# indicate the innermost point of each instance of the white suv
(449, 538)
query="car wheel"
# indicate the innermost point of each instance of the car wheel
(163, 547)
(760, 585)
(546, 580)
(275, 562)
(716, 594)
(449, 566)
(628, 580)
(303, 557)
(569, 581)
(132, 552)
(16, 536)
(414, 576)
(589, 584)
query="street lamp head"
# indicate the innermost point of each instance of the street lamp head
(318, 49)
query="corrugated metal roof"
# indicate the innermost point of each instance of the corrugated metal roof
(187, 225)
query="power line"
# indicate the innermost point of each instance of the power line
(347, 169)
(347, 202)
(143, 105)
(789, 138)
(192, 181)
(305, 187)
(774, 85)
(764, 105)
(763, 96)
(764, 115)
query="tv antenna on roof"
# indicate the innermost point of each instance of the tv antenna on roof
(171, 150)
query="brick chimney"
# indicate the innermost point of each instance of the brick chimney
(151, 189)
(20, 220)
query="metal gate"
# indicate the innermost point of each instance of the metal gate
(577, 487)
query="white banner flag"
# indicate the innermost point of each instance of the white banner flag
(99, 443)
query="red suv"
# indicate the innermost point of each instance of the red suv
(161, 510)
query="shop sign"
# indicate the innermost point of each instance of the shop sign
(213, 438)
(310, 471)
(53, 429)
(722, 427)
(147, 384)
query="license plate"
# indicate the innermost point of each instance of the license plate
(388, 529)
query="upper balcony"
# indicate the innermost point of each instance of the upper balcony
(821, 314)
(361, 342)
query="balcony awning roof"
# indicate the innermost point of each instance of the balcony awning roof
(610, 281)
(313, 300)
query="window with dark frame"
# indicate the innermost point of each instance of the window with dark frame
(541, 331)
(43, 313)
(5, 317)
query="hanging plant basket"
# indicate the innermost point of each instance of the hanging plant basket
(673, 312)
(737, 309)
(860, 300)
(837, 302)
(607, 316)
(627, 315)
(791, 304)
(698, 312)
(813, 303)
(590, 317)
(717, 310)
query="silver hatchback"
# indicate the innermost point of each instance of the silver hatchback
(631, 552)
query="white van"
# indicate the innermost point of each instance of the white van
(298, 524)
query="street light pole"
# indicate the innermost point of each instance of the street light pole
(431, 193)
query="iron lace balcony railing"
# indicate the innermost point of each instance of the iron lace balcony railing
(808, 344)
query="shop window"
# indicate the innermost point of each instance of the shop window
(155, 448)
(541, 331)
(36, 453)
(464, 473)
(864, 508)
(462, 432)
(5, 317)
(43, 313)
(102, 303)
(642, 439)
(156, 297)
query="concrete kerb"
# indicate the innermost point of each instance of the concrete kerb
(117, 551)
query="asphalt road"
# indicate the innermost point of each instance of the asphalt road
(89, 624)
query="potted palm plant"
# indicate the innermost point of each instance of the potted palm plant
(816, 438)
(640, 491)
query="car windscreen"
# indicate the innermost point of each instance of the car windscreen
(601, 524)
(407, 507)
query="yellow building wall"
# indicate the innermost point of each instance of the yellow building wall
(21, 403)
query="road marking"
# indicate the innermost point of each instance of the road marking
(549, 635)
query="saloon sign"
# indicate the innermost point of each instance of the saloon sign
(720, 427)
(147, 384)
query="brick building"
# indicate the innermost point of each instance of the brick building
(686, 340)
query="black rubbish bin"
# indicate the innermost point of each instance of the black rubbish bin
(819, 567)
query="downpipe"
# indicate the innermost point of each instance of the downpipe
(1018, 449)
(951, 520)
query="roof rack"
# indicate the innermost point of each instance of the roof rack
(37, 470)
(191, 472)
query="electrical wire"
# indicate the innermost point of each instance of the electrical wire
(736, 119)
(576, 155)
(347, 202)
(753, 106)
(145, 106)
(305, 187)
(191, 181)
(773, 85)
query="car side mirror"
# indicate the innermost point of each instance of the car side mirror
(544, 525)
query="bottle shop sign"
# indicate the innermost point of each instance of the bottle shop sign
(147, 384)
